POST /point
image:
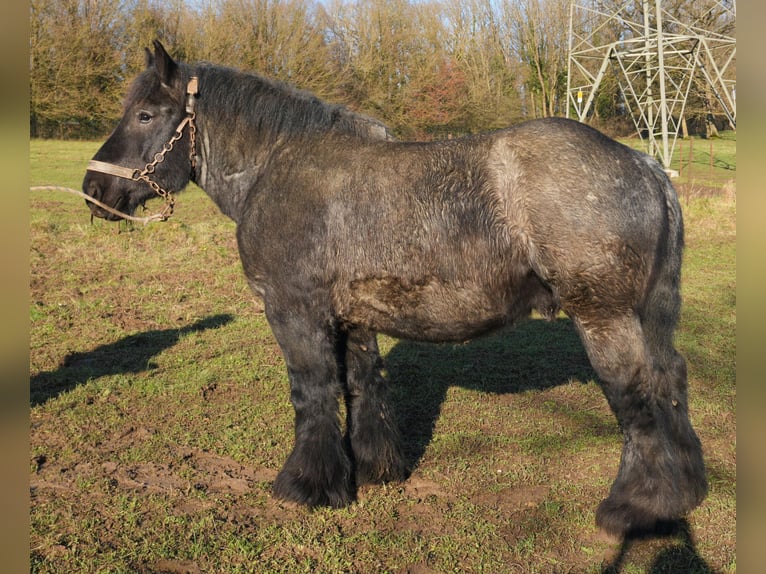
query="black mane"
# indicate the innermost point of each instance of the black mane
(275, 108)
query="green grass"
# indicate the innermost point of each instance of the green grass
(700, 163)
(160, 416)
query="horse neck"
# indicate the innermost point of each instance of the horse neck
(245, 121)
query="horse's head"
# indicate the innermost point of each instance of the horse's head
(151, 151)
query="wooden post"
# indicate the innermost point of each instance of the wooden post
(680, 158)
(691, 160)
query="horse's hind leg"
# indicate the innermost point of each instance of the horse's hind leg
(661, 475)
(318, 471)
(372, 429)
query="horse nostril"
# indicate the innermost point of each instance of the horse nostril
(93, 189)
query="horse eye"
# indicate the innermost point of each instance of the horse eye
(144, 117)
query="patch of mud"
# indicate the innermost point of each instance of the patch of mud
(187, 470)
(421, 489)
(511, 500)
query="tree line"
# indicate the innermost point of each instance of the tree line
(427, 68)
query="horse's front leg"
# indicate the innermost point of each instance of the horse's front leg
(372, 429)
(318, 471)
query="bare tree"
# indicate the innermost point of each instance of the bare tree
(278, 38)
(389, 54)
(425, 67)
(479, 42)
(75, 65)
(540, 38)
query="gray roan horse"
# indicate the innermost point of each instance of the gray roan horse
(345, 233)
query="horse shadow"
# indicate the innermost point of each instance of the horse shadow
(533, 355)
(132, 354)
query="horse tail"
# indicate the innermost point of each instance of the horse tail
(662, 304)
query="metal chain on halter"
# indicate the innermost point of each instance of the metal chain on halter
(159, 157)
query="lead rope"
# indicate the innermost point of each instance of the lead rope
(154, 217)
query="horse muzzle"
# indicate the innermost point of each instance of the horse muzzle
(104, 191)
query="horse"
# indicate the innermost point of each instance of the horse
(345, 232)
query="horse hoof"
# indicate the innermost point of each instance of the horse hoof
(626, 518)
(393, 471)
(301, 489)
(620, 518)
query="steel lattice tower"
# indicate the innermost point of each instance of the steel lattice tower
(655, 57)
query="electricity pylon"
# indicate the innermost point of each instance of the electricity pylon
(655, 57)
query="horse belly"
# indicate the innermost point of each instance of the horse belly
(429, 309)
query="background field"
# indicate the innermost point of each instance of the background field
(160, 414)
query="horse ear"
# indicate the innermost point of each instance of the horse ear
(164, 64)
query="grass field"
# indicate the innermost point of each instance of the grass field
(701, 163)
(160, 415)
